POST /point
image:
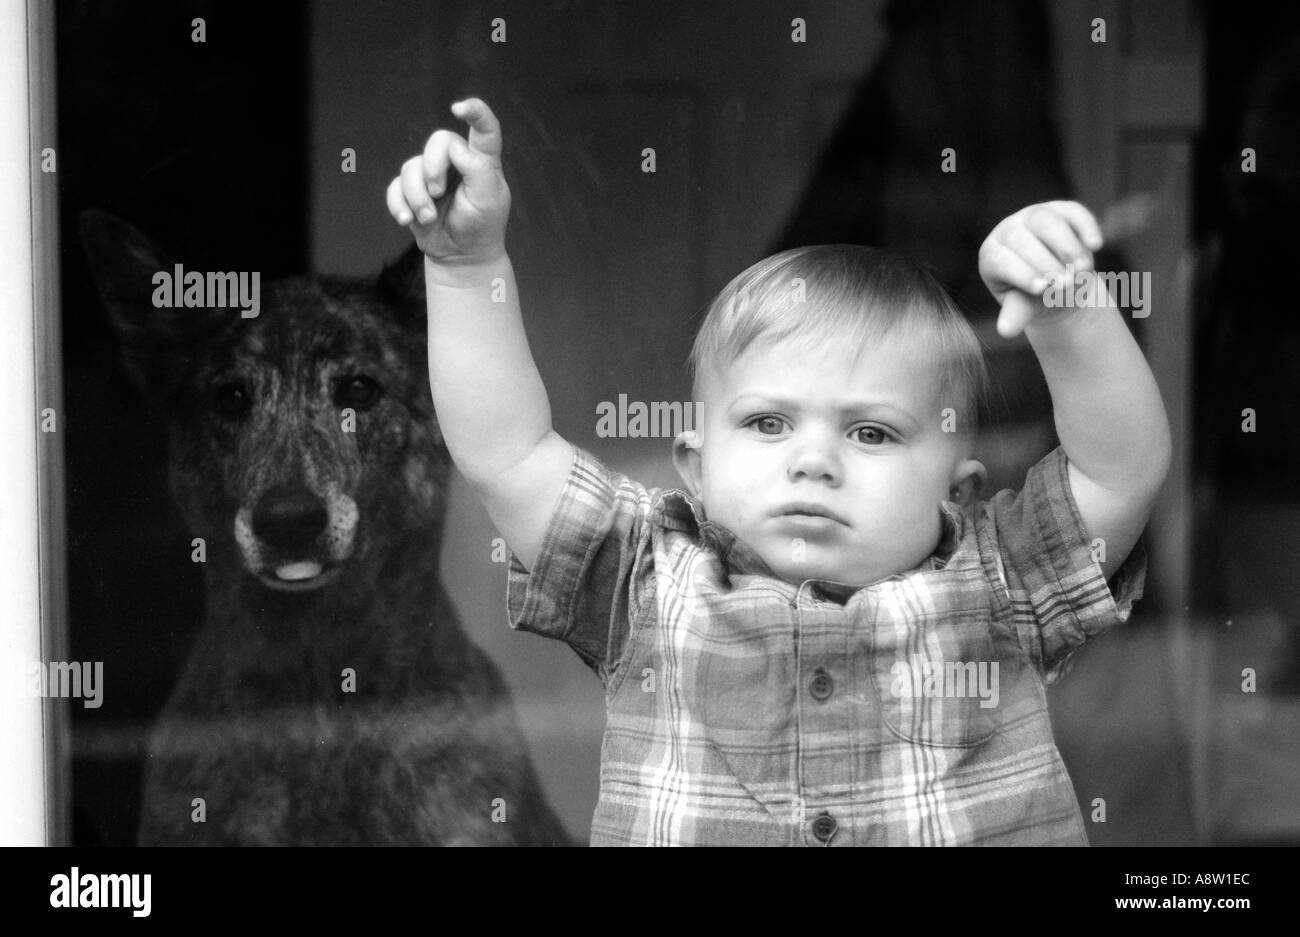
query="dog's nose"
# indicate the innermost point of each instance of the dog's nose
(289, 517)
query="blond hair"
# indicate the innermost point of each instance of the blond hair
(845, 296)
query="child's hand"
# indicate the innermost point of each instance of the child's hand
(1028, 250)
(456, 224)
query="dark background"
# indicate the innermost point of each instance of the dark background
(227, 153)
(200, 146)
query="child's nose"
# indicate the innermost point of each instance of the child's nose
(815, 459)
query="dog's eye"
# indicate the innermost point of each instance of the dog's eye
(232, 401)
(358, 393)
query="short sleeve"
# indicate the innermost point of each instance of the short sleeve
(1056, 585)
(594, 571)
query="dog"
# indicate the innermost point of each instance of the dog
(331, 695)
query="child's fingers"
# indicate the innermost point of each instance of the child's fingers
(1005, 267)
(1029, 253)
(1030, 248)
(436, 161)
(1055, 232)
(1017, 310)
(484, 128)
(480, 173)
(416, 191)
(1085, 226)
(397, 206)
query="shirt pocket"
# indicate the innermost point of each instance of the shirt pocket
(935, 665)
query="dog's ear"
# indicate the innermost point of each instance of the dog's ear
(402, 285)
(156, 342)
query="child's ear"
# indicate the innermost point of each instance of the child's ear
(686, 459)
(402, 284)
(967, 481)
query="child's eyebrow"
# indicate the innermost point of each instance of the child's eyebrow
(898, 414)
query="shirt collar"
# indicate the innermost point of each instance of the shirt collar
(678, 510)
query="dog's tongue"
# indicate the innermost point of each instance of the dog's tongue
(295, 571)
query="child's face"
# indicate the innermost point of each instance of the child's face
(860, 439)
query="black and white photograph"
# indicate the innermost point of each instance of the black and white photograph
(592, 423)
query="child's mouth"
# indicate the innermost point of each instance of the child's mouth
(813, 514)
(813, 521)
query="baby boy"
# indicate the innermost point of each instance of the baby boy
(825, 637)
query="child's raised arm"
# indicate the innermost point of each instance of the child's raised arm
(491, 404)
(1109, 415)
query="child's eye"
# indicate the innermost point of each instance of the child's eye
(773, 424)
(875, 436)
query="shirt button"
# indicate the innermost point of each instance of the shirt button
(824, 827)
(821, 686)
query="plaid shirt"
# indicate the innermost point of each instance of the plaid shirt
(743, 710)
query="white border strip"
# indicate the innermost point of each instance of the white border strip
(22, 762)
